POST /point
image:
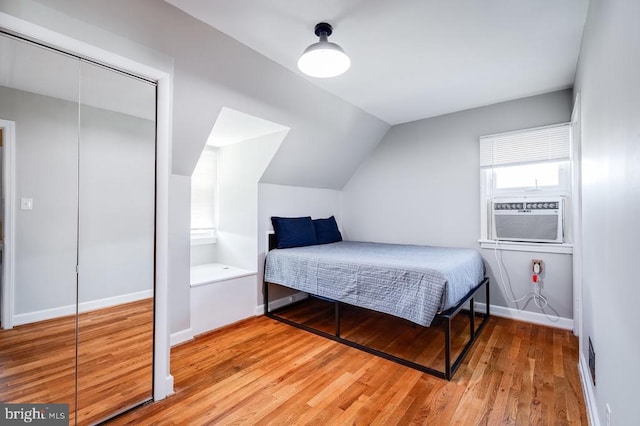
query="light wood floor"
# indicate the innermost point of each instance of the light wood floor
(114, 361)
(393, 335)
(261, 371)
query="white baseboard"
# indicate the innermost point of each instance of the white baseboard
(526, 316)
(45, 314)
(164, 389)
(499, 311)
(278, 303)
(181, 337)
(92, 305)
(587, 390)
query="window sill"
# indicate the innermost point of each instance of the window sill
(203, 241)
(215, 272)
(564, 248)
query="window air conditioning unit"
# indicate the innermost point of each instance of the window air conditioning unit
(539, 220)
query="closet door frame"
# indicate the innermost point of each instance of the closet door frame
(162, 379)
(8, 191)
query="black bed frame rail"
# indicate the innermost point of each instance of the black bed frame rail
(445, 317)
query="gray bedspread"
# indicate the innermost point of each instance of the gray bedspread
(408, 281)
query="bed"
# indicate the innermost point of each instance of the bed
(425, 285)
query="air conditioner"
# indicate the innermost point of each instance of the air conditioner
(528, 219)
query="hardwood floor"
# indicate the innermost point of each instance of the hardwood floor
(37, 362)
(114, 361)
(387, 333)
(261, 371)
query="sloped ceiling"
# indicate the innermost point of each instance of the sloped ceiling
(328, 139)
(411, 60)
(232, 127)
(415, 59)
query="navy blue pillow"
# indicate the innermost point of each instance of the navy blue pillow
(327, 230)
(293, 231)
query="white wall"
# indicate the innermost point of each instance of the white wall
(290, 201)
(422, 186)
(202, 254)
(240, 167)
(179, 243)
(555, 282)
(609, 87)
(47, 171)
(117, 204)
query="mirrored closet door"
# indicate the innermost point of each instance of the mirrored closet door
(39, 251)
(77, 291)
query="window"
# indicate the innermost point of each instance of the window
(203, 197)
(536, 176)
(527, 164)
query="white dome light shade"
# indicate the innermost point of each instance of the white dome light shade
(324, 59)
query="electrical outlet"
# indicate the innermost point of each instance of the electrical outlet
(536, 266)
(26, 203)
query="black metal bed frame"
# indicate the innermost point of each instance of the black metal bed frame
(445, 317)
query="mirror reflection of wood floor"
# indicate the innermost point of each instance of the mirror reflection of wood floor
(115, 353)
(260, 371)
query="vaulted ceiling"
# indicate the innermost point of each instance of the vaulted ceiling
(411, 59)
(416, 58)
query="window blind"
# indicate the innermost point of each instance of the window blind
(203, 190)
(526, 146)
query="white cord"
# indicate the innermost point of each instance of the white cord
(504, 286)
(537, 297)
(540, 301)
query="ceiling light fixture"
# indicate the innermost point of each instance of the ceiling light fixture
(324, 59)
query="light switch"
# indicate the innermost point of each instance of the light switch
(26, 204)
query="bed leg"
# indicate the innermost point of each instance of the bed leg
(265, 297)
(447, 348)
(337, 313)
(472, 319)
(487, 298)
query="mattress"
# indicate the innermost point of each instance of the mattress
(409, 281)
